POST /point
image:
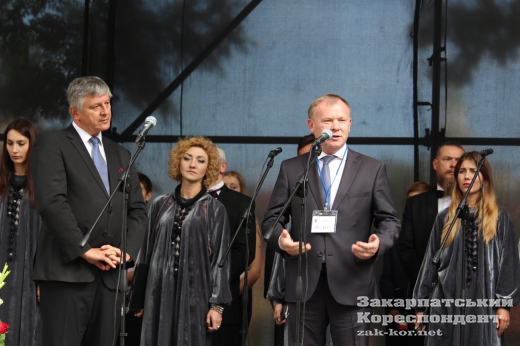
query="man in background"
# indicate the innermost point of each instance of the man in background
(236, 204)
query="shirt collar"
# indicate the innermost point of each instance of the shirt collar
(85, 136)
(217, 186)
(338, 153)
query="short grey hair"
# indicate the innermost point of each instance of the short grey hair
(83, 86)
(222, 155)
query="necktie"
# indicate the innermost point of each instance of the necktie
(440, 193)
(214, 193)
(99, 162)
(325, 172)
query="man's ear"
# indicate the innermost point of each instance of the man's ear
(73, 112)
(223, 167)
(435, 163)
(310, 123)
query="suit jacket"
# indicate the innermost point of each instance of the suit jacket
(393, 281)
(363, 199)
(418, 219)
(69, 196)
(236, 203)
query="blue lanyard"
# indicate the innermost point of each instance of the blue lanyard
(327, 191)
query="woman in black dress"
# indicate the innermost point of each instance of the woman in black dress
(186, 238)
(20, 228)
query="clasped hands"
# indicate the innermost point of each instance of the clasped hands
(360, 249)
(105, 258)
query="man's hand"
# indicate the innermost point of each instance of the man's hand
(114, 253)
(291, 247)
(366, 251)
(105, 257)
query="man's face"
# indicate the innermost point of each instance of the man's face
(444, 163)
(95, 114)
(335, 117)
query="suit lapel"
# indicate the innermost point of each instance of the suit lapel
(349, 172)
(433, 207)
(114, 170)
(82, 150)
(314, 182)
(221, 197)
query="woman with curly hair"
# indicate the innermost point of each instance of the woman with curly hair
(186, 238)
(492, 266)
(19, 232)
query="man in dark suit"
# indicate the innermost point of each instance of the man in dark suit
(236, 204)
(340, 264)
(74, 171)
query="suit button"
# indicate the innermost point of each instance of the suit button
(105, 234)
(320, 254)
(110, 211)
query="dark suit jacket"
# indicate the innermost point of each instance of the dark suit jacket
(393, 281)
(418, 219)
(69, 196)
(363, 199)
(236, 203)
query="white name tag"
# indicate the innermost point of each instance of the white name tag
(324, 221)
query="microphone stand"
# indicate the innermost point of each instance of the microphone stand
(462, 208)
(245, 216)
(122, 186)
(300, 188)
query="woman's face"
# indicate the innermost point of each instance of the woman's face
(146, 195)
(194, 164)
(232, 183)
(17, 146)
(465, 174)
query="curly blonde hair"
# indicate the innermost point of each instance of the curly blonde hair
(183, 146)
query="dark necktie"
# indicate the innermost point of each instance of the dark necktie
(214, 193)
(440, 193)
(325, 172)
(99, 162)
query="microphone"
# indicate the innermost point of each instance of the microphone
(486, 152)
(325, 136)
(148, 124)
(275, 152)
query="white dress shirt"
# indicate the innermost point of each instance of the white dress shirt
(335, 165)
(85, 137)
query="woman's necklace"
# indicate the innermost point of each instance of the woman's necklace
(183, 208)
(14, 199)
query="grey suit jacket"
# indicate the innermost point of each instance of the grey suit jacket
(363, 199)
(69, 196)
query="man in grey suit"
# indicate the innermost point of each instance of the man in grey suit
(74, 172)
(340, 262)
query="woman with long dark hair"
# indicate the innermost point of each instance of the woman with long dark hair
(20, 228)
(492, 269)
(186, 238)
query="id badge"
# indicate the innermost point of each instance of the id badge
(324, 221)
